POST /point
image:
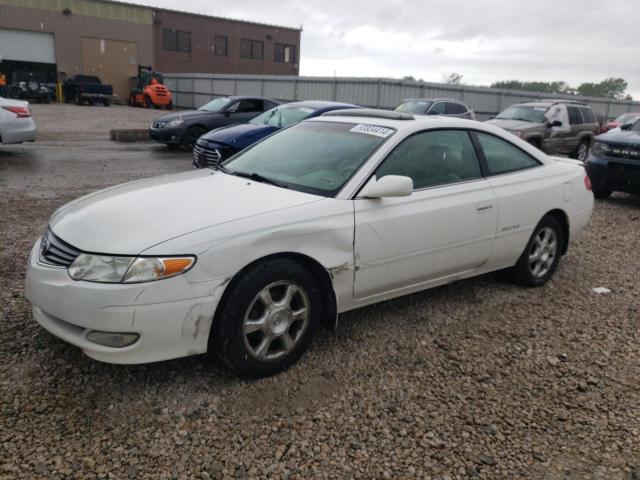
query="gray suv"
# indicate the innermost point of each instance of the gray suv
(447, 107)
(554, 126)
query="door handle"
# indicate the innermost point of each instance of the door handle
(483, 208)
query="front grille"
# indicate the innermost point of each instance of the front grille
(630, 152)
(206, 157)
(55, 251)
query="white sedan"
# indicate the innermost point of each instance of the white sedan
(332, 214)
(16, 122)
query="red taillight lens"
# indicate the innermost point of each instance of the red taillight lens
(587, 182)
(21, 112)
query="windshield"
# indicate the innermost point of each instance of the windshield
(215, 105)
(627, 117)
(524, 114)
(312, 157)
(283, 116)
(414, 106)
(636, 126)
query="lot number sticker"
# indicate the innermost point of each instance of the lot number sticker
(372, 130)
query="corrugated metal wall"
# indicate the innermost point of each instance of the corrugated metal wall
(193, 90)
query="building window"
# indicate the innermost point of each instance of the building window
(284, 53)
(176, 41)
(220, 46)
(251, 49)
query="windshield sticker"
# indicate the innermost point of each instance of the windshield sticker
(372, 130)
(306, 109)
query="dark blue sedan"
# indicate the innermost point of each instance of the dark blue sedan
(221, 143)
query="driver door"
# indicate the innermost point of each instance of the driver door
(445, 228)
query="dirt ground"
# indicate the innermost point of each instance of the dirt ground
(478, 379)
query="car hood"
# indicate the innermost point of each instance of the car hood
(129, 218)
(620, 136)
(186, 114)
(513, 124)
(239, 136)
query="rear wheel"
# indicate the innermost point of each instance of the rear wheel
(169, 105)
(191, 136)
(581, 151)
(268, 320)
(106, 102)
(540, 258)
(147, 102)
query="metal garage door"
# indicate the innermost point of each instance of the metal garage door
(113, 61)
(25, 46)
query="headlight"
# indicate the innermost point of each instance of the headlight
(174, 123)
(517, 133)
(116, 269)
(600, 148)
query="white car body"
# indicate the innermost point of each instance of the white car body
(370, 249)
(15, 129)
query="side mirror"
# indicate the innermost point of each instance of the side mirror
(627, 126)
(555, 123)
(387, 186)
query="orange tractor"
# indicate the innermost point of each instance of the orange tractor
(148, 91)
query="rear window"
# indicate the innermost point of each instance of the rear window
(418, 107)
(283, 116)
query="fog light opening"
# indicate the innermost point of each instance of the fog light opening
(113, 339)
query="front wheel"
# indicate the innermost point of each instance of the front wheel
(540, 258)
(191, 136)
(268, 319)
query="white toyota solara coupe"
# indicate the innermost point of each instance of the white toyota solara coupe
(332, 214)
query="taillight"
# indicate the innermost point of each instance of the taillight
(587, 182)
(21, 112)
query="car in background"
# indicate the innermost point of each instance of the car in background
(555, 126)
(331, 214)
(614, 162)
(436, 106)
(220, 144)
(185, 127)
(87, 88)
(28, 85)
(16, 123)
(621, 120)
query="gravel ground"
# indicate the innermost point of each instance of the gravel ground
(478, 379)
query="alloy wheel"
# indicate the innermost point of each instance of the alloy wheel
(543, 252)
(276, 320)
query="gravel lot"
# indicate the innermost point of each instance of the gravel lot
(478, 379)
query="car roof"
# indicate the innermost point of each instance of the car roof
(433, 100)
(247, 97)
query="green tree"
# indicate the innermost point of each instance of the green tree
(609, 88)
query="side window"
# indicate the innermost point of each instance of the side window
(454, 108)
(587, 115)
(437, 109)
(574, 116)
(502, 157)
(433, 158)
(249, 106)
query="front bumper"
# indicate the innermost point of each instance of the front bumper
(20, 130)
(170, 136)
(172, 316)
(614, 173)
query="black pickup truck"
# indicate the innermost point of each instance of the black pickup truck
(81, 88)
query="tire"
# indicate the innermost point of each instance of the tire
(106, 102)
(190, 137)
(169, 105)
(535, 273)
(535, 142)
(279, 340)
(91, 102)
(147, 102)
(582, 150)
(601, 192)
(77, 99)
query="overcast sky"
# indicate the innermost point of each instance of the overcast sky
(484, 40)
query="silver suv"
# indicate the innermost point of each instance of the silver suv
(436, 106)
(554, 126)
